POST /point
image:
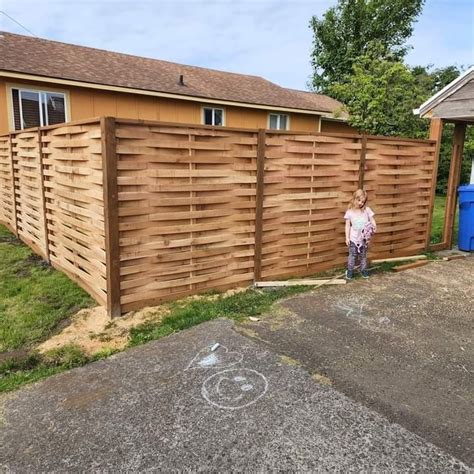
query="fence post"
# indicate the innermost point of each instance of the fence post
(15, 212)
(453, 182)
(260, 187)
(43, 196)
(363, 152)
(436, 133)
(112, 249)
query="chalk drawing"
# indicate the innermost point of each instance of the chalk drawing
(234, 389)
(351, 312)
(220, 358)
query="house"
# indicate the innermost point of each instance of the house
(45, 82)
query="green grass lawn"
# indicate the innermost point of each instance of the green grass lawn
(34, 298)
(438, 221)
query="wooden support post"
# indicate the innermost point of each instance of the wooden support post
(43, 197)
(363, 153)
(436, 133)
(15, 211)
(112, 249)
(260, 187)
(453, 182)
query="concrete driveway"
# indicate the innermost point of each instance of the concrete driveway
(400, 344)
(175, 405)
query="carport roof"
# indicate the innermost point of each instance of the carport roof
(453, 102)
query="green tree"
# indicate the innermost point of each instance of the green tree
(352, 28)
(380, 96)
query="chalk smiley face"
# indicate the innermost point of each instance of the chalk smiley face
(233, 389)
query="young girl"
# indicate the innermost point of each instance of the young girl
(360, 224)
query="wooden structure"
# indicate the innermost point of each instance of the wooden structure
(453, 104)
(140, 212)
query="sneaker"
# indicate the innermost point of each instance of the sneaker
(348, 275)
(365, 274)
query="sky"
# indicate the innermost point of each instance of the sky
(268, 38)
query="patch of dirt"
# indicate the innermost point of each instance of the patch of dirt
(93, 331)
(10, 239)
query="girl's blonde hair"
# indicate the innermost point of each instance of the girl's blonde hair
(360, 193)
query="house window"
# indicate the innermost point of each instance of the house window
(213, 116)
(33, 108)
(278, 121)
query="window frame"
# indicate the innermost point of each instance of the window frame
(41, 91)
(279, 115)
(213, 108)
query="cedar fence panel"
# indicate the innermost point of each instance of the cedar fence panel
(398, 178)
(186, 210)
(7, 207)
(308, 181)
(73, 182)
(141, 212)
(30, 222)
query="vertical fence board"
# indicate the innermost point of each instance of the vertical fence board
(7, 201)
(43, 197)
(28, 190)
(363, 152)
(453, 182)
(112, 249)
(436, 133)
(260, 192)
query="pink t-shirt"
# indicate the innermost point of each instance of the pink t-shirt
(358, 221)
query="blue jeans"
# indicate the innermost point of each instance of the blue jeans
(355, 252)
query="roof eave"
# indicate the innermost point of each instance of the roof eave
(444, 93)
(131, 90)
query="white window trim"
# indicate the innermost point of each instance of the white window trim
(279, 115)
(40, 90)
(213, 108)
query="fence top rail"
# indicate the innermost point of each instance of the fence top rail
(219, 128)
(51, 127)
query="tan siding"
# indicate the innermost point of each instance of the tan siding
(240, 117)
(171, 110)
(127, 106)
(87, 103)
(82, 104)
(304, 123)
(147, 107)
(3, 108)
(105, 103)
(329, 126)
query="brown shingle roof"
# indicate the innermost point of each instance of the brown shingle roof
(40, 57)
(323, 101)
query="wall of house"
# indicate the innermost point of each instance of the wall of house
(331, 126)
(86, 103)
(3, 108)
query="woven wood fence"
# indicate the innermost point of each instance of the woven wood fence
(141, 212)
